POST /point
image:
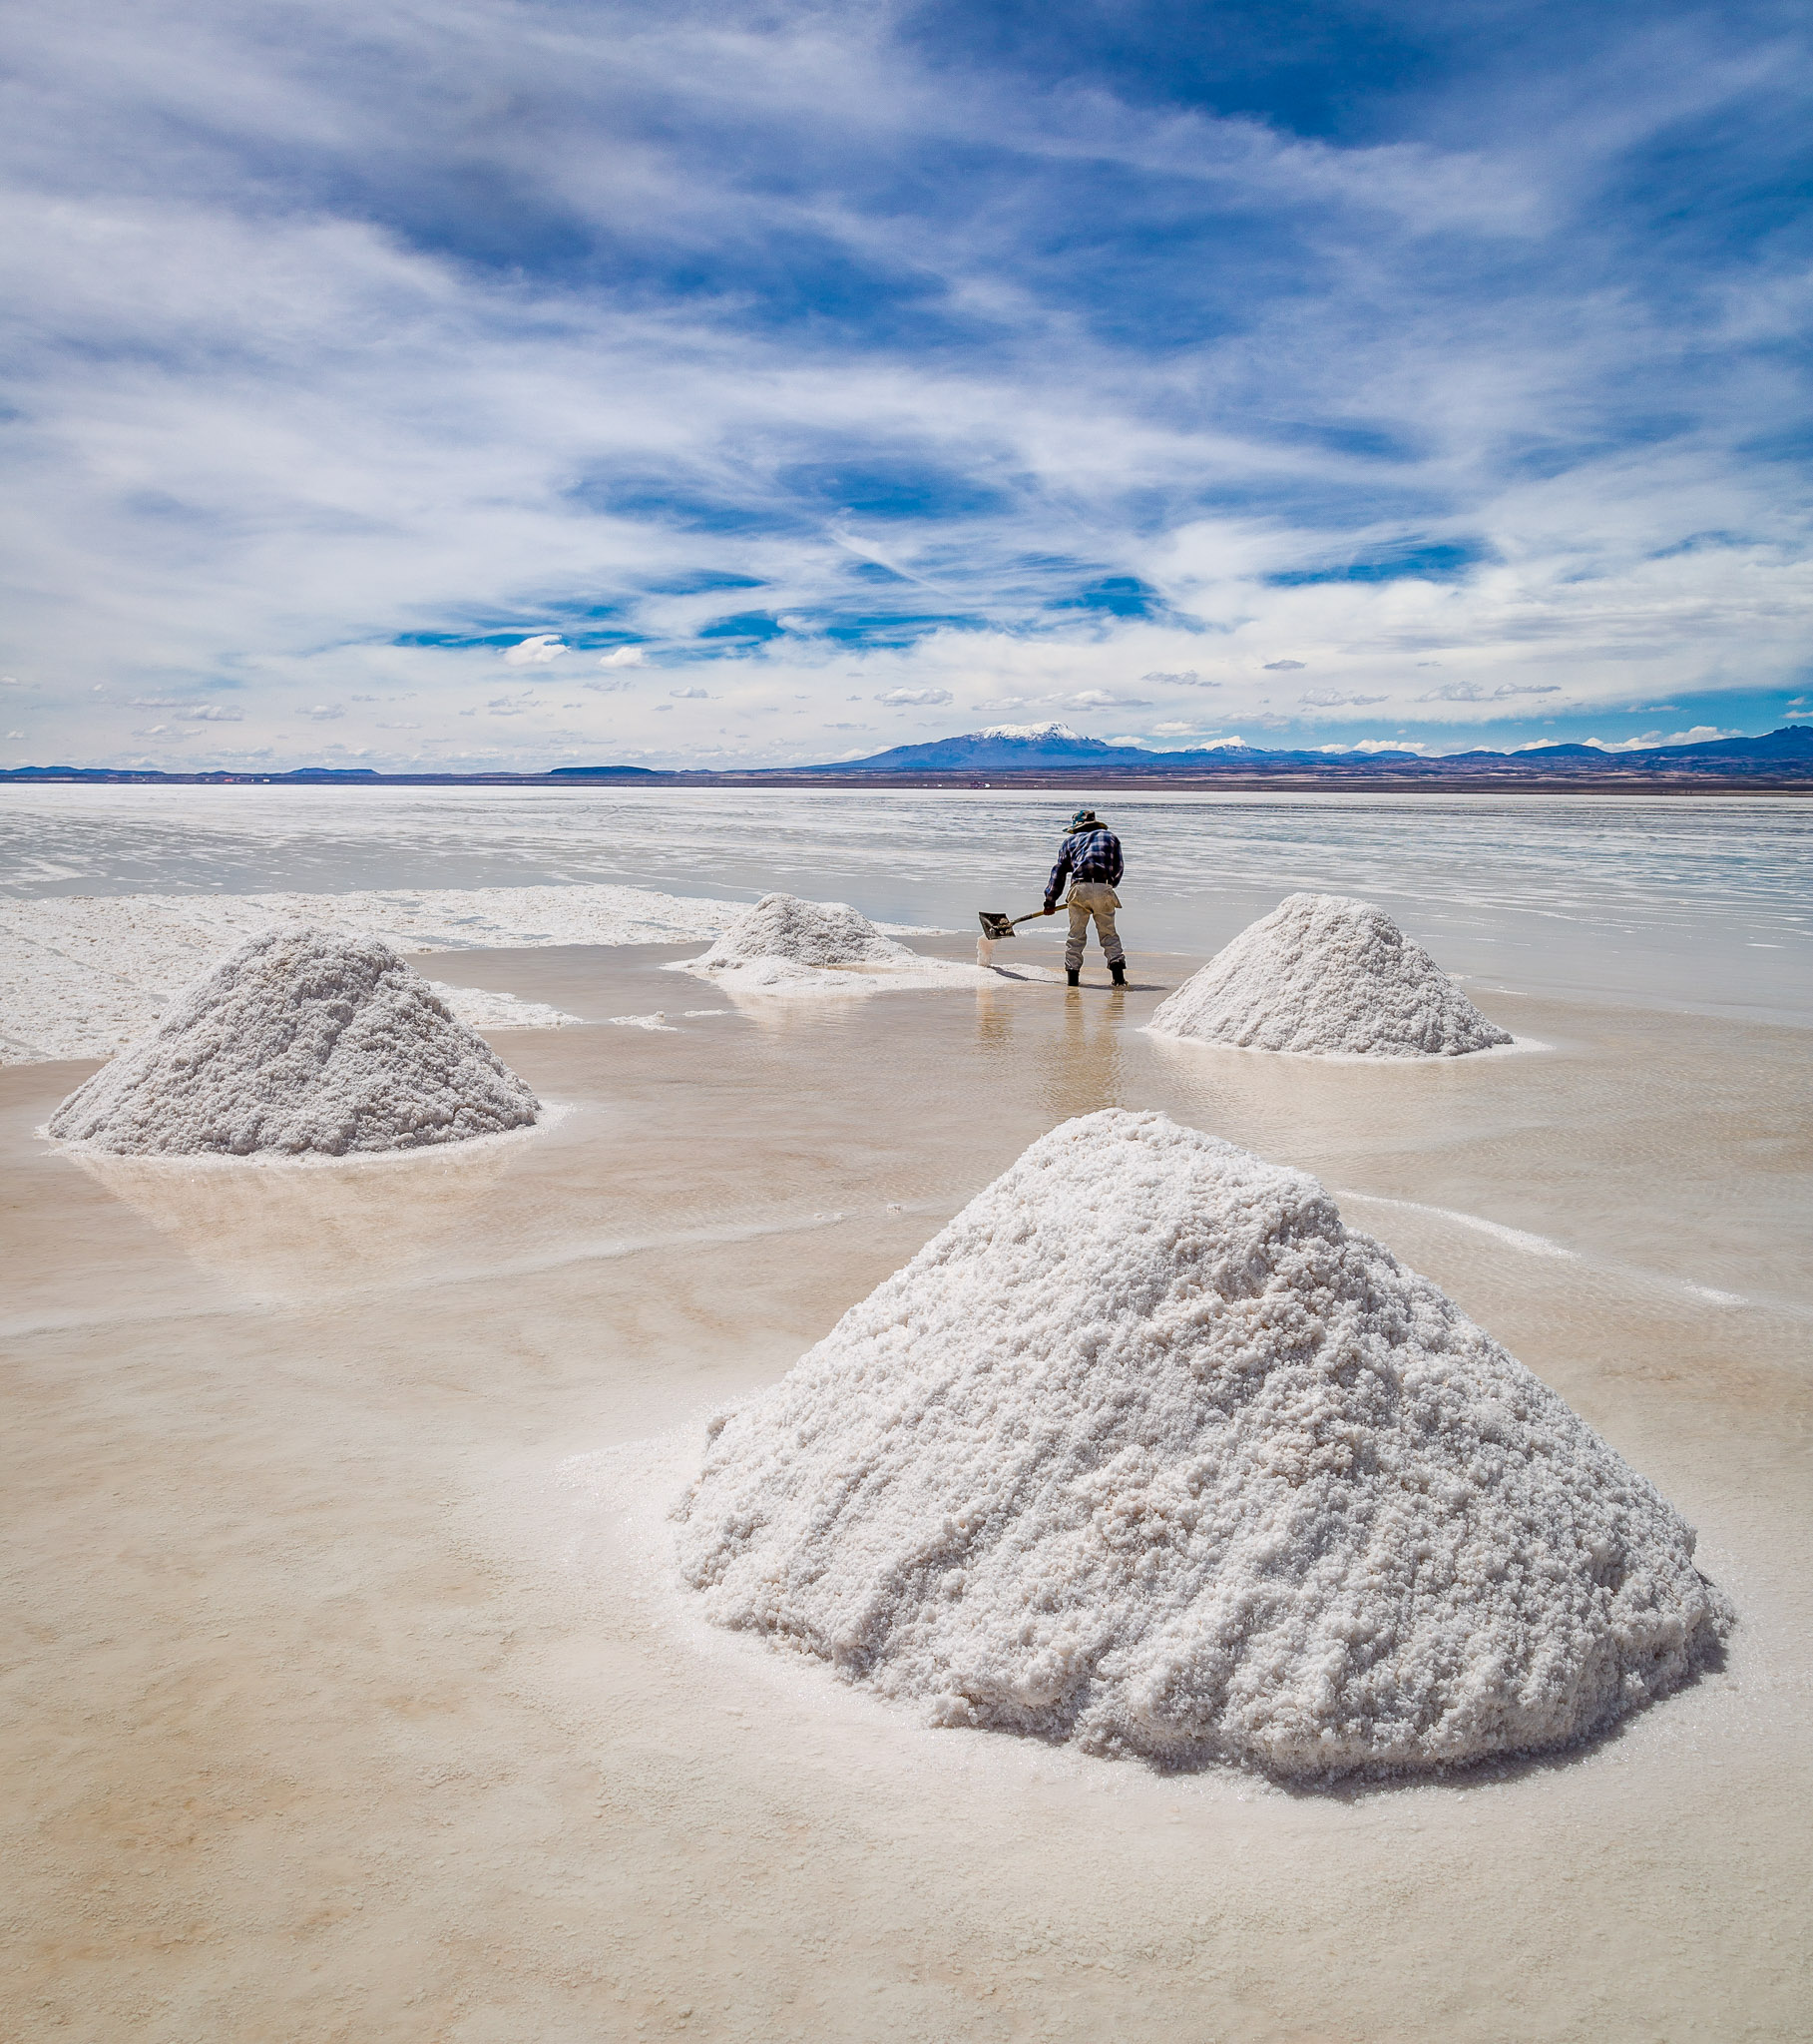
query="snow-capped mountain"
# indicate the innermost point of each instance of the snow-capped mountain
(1002, 749)
(1032, 730)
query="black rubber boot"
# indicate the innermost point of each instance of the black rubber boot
(1118, 969)
(1075, 975)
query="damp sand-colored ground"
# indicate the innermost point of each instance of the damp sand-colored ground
(346, 1696)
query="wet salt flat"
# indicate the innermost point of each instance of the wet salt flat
(357, 1699)
(1692, 902)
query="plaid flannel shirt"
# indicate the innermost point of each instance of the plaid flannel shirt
(1089, 855)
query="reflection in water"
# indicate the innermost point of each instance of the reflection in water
(295, 1229)
(1658, 1142)
(1089, 1067)
(994, 1019)
(1299, 1104)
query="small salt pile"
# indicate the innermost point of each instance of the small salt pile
(799, 932)
(1329, 977)
(303, 1040)
(1147, 1452)
(788, 945)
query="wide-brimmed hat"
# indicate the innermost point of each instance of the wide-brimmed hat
(1083, 816)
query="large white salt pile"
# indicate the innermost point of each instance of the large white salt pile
(303, 1040)
(1327, 975)
(816, 934)
(1147, 1452)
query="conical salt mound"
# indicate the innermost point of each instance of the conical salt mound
(1147, 1452)
(803, 933)
(1327, 975)
(304, 1040)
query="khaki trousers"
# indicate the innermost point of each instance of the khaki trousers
(1092, 898)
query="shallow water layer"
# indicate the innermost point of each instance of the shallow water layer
(1682, 901)
(357, 1701)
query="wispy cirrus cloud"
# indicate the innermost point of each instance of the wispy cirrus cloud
(196, 713)
(1479, 692)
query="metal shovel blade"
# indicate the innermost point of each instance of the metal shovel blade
(994, 926)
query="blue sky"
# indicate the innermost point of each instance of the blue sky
(508, 385)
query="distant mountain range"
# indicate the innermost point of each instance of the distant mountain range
(1047, 748)
(1051, 754)
(1040, 748)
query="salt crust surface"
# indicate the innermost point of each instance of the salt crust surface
(303, 1042)
(785, 945)
(83, 975)
(1147, 1452)
(1325, 975)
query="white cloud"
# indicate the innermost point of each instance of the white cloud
(1336, 699)
(323, 713)
(1698, 735)
(689, 695)
(1283, 667)
(537, 651)
(15, 734)
(1477, 692)
(1107, 699)
(412, 437)
(200, 713)
(625, 655)
(915, 699)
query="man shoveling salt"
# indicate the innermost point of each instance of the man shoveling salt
(1089, 858)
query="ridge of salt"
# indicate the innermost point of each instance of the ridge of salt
(1147, 1452)
(1326, 975)
(302, 1040)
